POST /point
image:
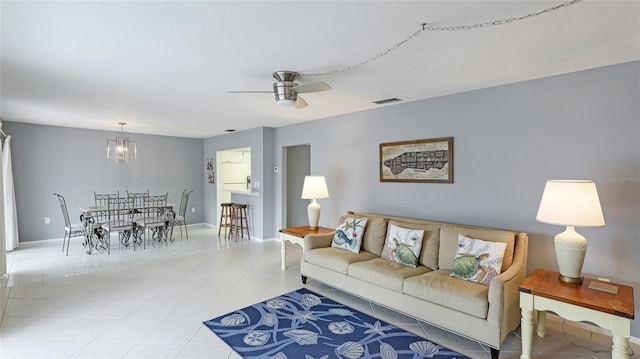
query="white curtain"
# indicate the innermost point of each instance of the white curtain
(10, 214)
(3, 242)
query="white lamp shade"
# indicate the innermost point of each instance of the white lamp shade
(314, 187)
(570, 203)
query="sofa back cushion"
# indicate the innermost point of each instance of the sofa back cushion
(449, 243)
(375, 233)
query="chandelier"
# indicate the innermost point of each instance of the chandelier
(121, 148)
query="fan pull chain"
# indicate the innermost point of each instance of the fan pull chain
(425, 27)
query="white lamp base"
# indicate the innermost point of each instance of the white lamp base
(571, 248)
(313, 212)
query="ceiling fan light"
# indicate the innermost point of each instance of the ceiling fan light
(285, 102)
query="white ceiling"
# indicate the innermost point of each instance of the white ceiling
(165, 67)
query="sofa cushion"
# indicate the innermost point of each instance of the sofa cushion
(374, 235)
(384, 273)
(430, 241)
(438, 287)
(403, 245)
(349, 234)
(449, 243)
(336, 259)
(477, 260)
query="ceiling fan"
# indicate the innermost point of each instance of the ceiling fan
(286, 90)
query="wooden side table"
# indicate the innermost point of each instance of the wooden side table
(296, 235)
(542, 291)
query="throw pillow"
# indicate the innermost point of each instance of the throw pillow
(349, 234)
(403, 245)
(430, 241)
(477, 260)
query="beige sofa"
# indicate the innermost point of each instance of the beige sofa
(486, 314)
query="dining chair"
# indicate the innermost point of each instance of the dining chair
(154, 218)
(138, 203)
(180, 219)
(70, 229)
(101, 199)
(120, 219)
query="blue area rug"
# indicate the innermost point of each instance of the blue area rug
(303, 324)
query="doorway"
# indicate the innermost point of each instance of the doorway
(233, 168)
(298, 165)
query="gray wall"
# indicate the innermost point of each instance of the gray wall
(508, 141)
(72, 162)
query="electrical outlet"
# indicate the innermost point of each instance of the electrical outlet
(47, 220)
(193, 209)
(256, 184)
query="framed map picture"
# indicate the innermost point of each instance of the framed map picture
(429, 161)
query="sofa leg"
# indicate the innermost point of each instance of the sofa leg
(495, 353)
(304, 279)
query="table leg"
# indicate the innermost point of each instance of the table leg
(620, 331)
(541, 326)
(283, 253)
(88, 221)
(526, 329)
(526, 324)
(620, 348)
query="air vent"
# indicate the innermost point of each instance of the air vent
(389, 100)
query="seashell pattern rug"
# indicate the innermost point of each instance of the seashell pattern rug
(304, 324)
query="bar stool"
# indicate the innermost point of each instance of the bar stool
(225, 219)
(239, 221)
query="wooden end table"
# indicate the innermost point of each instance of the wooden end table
(296, 235)
(542, 291)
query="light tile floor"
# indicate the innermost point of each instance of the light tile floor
(151, 303)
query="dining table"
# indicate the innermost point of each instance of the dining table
(97, 238)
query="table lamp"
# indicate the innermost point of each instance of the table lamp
(314, 188)
(571, 203)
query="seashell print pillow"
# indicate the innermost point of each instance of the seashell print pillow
(403, 245)
(477, 260)
(349, 234)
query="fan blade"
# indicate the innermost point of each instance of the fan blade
(300, 103)
(249, 91)
(311, 87)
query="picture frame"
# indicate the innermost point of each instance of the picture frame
(426, 161)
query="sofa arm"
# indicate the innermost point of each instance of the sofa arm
(313, 241)
(504, 297)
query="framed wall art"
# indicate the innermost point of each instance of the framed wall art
(210, 175)
(428, 161)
